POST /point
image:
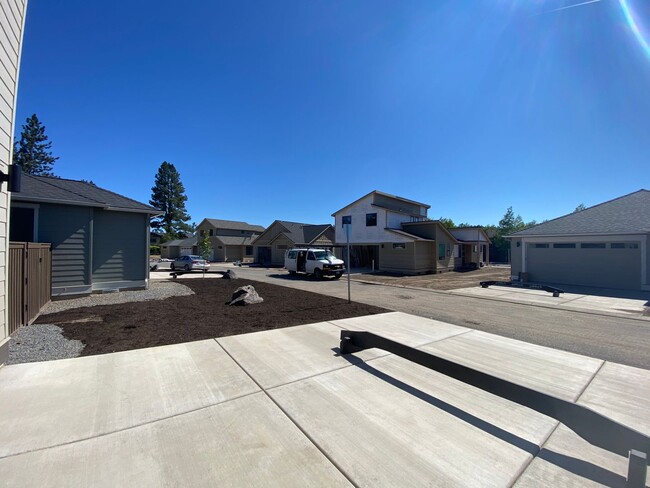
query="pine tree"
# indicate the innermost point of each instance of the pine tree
(32, 153)
(168, 195)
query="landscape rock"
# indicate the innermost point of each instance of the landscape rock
(245, 295)
(230, 275)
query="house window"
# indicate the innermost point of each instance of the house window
(441, 251)
(592, 245)
(624, 245)
(211, 232)
(249, 250)
(540, 246)
(564, 245)
(371, 220)
(400, 245)
(346, 219)
(202, 232)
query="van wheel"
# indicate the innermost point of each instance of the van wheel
(337, 276)
(172, 267)
(318, 274)
(292, 272)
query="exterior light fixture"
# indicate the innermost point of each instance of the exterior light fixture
(13, 177)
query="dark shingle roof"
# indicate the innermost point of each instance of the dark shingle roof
(234, 225)
(301, 233)
(624, 215)
(190, 241)
(72, 192)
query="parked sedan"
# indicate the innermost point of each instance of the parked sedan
(189, 263)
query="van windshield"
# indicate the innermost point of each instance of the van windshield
(324, 255)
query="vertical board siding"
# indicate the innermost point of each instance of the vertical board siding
(119, 252)
(29, 279)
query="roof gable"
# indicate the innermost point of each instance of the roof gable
(628, 214)
(71, 192)
(385, 195)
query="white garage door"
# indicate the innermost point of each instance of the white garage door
(186, 251)
(600, 264)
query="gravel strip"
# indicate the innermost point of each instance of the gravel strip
(157, 291)
(41, 342)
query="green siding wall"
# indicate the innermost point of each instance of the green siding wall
(67, 228)
(119, 252)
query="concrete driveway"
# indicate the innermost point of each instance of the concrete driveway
(282, 408)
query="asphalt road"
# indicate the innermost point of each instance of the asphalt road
(620, 339)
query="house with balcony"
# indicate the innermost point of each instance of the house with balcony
(395, 234)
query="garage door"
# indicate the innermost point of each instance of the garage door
(602, 264)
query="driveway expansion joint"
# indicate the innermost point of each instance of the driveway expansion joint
(292, 420)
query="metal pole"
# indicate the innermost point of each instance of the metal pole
(347, 232)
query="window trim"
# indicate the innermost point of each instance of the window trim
(371, 215)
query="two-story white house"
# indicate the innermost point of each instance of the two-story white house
(394, 234)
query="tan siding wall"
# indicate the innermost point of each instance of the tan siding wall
(397, 260)
(447, 261)
(277, 253)
(11, 32)
(425, 257)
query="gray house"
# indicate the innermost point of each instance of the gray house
(100, 240)
(603, 246)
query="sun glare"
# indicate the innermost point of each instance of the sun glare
(634, 26)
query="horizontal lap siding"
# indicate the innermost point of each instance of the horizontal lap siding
(398, 260)
(425, 257)
(67, 228)
(119, 246)
(277, 254)
(11, 23)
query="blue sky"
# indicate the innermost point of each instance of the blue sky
(292, 109)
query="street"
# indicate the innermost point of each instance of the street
(624, 340)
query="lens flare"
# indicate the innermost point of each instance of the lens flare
(634, 26)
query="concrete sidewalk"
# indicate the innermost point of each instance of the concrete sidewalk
(566, 301)
(282, 408)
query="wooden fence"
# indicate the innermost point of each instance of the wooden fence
(29, 281)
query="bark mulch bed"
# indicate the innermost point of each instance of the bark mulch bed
(110, 328)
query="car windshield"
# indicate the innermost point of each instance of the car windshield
(324, 255)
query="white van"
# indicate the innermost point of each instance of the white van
(319, 262)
